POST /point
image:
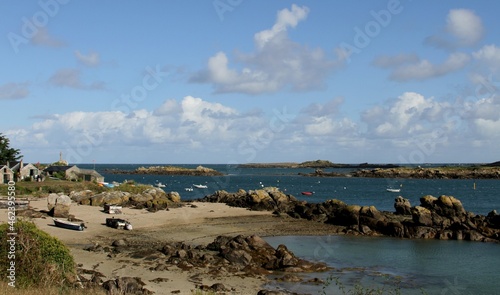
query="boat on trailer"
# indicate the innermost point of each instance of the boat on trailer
(68, 225)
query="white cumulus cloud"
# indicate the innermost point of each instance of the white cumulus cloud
(277, 63)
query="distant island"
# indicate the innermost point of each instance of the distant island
(315, 164)
(469, 171)
(169, 170)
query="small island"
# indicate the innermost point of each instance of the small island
(315, 164)
(170, 170)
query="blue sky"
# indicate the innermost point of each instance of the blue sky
(236, 81)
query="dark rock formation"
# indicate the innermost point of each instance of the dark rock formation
(125, 285)
(402, 206)
(434, 218)
(245, 255)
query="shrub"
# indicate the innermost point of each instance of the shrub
(40, 259)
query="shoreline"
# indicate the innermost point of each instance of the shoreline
(194, 224)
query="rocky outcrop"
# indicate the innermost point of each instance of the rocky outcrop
(402, 206)
(58, 205)
(431, 173)
(268, 198)
(125, 285)
(434, 218)
(152, 199)
(170, 170)
(247, 256)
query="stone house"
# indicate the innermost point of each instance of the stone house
(29, 171)
(6, 174)
(22, 171)
(74, 173)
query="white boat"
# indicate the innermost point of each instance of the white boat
(159, 184)
(200, 186)
(394, 190)
(189, 189)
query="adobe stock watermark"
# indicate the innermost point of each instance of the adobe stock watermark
(11, 233)
(487, 87)
(366, 33)
(223, 6)
(90, 139)
(30, 27)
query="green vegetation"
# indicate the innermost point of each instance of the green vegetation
(41, 189)
(40, 259)
(7, 154)
(53, 290)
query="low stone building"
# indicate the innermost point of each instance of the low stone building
(74, 173)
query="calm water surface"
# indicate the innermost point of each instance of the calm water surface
(416, 266)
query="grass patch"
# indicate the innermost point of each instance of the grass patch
(42, 189)
(40, 259)
(52, 290)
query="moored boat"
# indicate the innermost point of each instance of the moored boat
(68, 225)
(200, 186)
(394, 190)
(307, 193)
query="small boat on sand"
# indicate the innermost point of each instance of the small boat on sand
(118, 223)
(69, 225)
(307, 193)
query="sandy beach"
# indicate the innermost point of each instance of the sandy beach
(194, 224)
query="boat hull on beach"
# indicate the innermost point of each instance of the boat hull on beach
(68, 225)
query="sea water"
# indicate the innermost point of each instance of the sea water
(479, 196)
(396, 265)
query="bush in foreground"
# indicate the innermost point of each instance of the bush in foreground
(40, 259)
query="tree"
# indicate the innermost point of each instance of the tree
(8, 154)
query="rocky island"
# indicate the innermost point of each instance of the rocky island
(315, 164)
(169, 170)
(445, 172)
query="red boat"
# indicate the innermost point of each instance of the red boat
(307, 193)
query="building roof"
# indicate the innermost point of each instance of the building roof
(57, 168)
